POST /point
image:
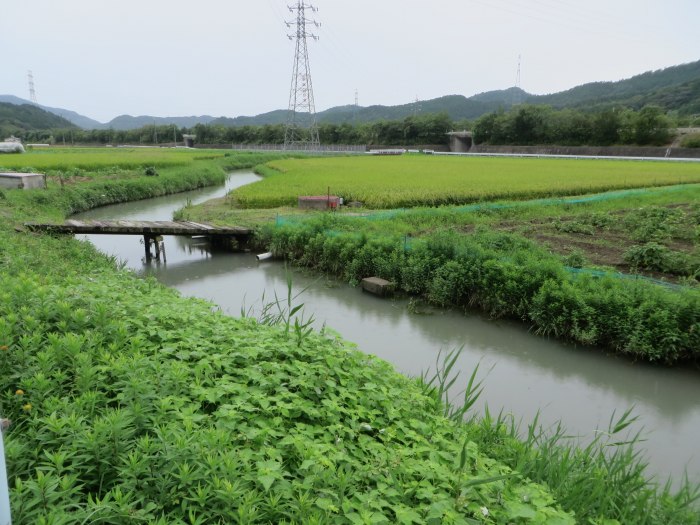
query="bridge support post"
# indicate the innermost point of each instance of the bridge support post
(147, 244)
(157, 241)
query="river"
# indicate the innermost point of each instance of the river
(523, 374)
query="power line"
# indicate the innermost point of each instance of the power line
(301, 131)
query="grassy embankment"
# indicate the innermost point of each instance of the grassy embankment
(551, 262)
(132, 404)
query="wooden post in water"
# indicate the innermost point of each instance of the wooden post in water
(156, 241)
(147, 244)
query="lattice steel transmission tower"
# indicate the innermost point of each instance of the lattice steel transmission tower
(32, 91)
(517, 95)
(301, 131)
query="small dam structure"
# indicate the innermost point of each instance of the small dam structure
(460, 141)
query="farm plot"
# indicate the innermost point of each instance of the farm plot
(408, 181)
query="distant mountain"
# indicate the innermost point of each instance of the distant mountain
(458, 107)
(663, 87)
(122, 122)
(273, 117)
(26, 117)
(76, 118)
(675, 88)
(126, 122)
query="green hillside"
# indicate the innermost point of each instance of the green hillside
(675, 88)
(17, 118)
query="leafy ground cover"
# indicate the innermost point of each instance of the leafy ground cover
(425, 180)
(132, 404)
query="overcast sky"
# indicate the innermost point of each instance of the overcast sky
(232, 57)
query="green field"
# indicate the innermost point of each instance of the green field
(407, 181)
(98, 158)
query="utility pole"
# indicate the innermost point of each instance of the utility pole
(32, 91)
(301, 130)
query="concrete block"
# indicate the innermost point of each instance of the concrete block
(377, 286)
(20, 181)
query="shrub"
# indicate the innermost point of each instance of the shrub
(691, 141)
(657, 257)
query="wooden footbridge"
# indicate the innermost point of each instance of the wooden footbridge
(152, 231)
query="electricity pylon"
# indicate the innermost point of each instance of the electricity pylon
(301, 131)
(32, 90)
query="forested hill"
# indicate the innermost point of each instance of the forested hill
(15, 118)
(675, 88)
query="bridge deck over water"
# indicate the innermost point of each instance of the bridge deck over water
(181, 228)
(152, 231)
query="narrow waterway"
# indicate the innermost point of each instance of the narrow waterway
(523, 374)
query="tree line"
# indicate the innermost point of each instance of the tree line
(521, 125)
(535, 125)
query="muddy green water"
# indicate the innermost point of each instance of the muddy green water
(523, 373)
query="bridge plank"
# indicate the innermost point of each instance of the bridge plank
(125, 227)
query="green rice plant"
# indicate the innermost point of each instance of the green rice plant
(410, 181)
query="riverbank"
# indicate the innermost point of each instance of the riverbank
(132, 404)
(616, 270)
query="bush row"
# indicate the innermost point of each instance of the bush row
(509, 276)
(81, 197)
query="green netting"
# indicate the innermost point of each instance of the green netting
(626, 276)
(300, 220)
(554, 201)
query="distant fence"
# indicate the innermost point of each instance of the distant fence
(592, 151)
(326, 148)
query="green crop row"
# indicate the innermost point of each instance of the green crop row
(506, 276)
(98, 158)
(408, 181)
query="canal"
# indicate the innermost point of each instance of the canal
(523, 374)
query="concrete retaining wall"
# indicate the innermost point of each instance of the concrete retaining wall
(600, 151)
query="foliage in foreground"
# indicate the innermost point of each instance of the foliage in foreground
(149, 407)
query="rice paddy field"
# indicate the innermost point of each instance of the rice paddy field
(412, 180)
(97, 158)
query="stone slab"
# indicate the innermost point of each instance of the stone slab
(27, 181)
(377, 286)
